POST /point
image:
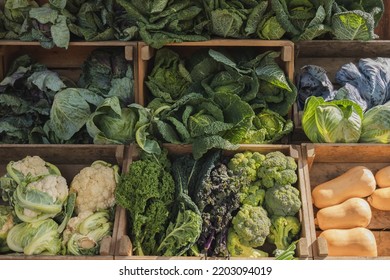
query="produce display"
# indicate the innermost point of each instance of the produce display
(45, 216)
(344, 210)
(355, 109)
(215, 99)
(38, 105)
(55, 23)
(216, 205)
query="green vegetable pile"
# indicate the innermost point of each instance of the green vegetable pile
(213, 206)
(158, 22)
(45, 216)
(216, 99)
(39, 106)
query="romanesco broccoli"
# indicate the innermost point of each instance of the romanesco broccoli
(277, 169)
(237, 249)
(251, 225)
(283, 231)
(282, 200)
(246, 164)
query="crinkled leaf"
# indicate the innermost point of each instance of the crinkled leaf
(71, 109)
(353, 25)
(201, 145)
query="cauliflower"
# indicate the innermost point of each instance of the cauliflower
(41, 199)
(283, 231)
(84, 233)
(95, 187)
(31, 166)
(282, 200)
(6, 223)
(73, 225)
(53, 185)
(246, 164)
(277, 169)
(237, 249)
(251, 225)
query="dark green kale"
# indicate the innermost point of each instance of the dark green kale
(147, 192)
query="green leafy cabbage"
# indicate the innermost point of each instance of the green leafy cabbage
(376, 126)
(338, 121)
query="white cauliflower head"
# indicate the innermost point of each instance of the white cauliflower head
(53, 185)
(33, 165)
(95, 187)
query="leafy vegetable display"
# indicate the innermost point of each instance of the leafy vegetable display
(160, 22)
(39, 106)
(39, 218)
(214, 206)
(211, 101)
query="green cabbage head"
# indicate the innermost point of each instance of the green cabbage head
(338, 121)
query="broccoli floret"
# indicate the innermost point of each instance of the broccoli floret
(277, 169)
(252, 194)
(246, 164)
(251, 225)
(283, 231)
(282, 200)
(237, 249)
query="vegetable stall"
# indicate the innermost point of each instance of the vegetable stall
(193, 129)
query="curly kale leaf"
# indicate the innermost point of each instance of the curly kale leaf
(147, 192)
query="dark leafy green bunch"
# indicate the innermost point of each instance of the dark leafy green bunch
(235, 19)
(304, 20)
(108, 73)
(26, 96)
(147, 192)
(217, 198)
(91, 20)
(165, 21)
(27, 21)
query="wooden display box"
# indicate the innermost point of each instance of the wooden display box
(70, 159)
(123, 250)
(331, 55)
(323, 162)
(66, 62)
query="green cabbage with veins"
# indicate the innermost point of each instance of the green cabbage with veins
(338, 121)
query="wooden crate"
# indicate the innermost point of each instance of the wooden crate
(331, 55)
(123, 250)
(185, 49)
(70, 159)
(323, 162)
(66, 62)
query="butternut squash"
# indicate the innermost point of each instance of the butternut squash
(354, 212)
(382, 177)
(357, 241)
(380, 199)
(358, 181)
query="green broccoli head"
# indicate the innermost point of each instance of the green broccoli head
(251, 225)
(246, 164)
(277, 169)
(282, 200)
(283, 231)
(252, 194)
(237, 249)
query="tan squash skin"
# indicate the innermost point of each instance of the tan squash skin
(358, 181)
(382, 177)
(358, 242)
(380, 199)
(354, 212)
